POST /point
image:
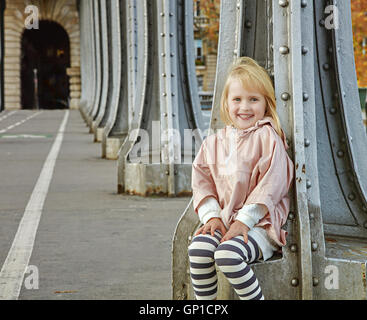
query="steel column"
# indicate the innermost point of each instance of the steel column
(338, 242)
(98, 65)
(98, 123)
(139, 59)
(170, 105)
(87, 63)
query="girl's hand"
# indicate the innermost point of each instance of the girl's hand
(237, 228)
(212, 225)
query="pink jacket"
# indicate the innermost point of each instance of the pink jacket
(241, 167)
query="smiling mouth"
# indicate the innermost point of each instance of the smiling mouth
(244, 117)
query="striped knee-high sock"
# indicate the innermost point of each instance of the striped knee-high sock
(232, 258)
(202, 265)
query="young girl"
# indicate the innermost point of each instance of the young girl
(240, 180)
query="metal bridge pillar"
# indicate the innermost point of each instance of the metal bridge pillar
(104, 107)
(105, 68)
(156, 156)
(116, 125)
(338, 243)
(87, 63)
(92, 112)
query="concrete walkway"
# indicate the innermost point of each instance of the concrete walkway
(91, 242)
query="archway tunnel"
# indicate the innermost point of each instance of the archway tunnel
(44, 60)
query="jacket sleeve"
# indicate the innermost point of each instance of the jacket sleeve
(202, 182)
(209, 208)
(274, 176)
(251, 214)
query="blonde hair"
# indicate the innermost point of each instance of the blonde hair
(252, 76)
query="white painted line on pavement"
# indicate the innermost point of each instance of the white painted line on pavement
(15, 265)
(24, 135)
(7, 115)
(20, 122)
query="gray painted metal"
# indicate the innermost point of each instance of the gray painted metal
(294, 86)
(170, 102)
(132, 56)
(98, 74)
(118, 48)
(92, 65)
(341, 115)
(87, 63)
(139, 42)
(106, 75)
(119, 128)
(83, 61)
(107, 49)
(341, 153)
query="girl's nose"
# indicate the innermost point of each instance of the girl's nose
(245, 108)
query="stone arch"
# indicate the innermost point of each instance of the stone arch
(63, 12)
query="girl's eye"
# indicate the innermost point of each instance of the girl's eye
(239, 99)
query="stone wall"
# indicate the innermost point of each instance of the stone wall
(65, 13)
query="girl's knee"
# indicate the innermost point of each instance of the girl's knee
(226, 254)
(195, 245)
(205, 241)
(202, 246)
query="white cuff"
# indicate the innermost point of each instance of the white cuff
(210, 208)
(251, 214)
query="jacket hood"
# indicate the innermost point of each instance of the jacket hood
(259, 123)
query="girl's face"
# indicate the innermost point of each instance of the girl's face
(244, 107)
